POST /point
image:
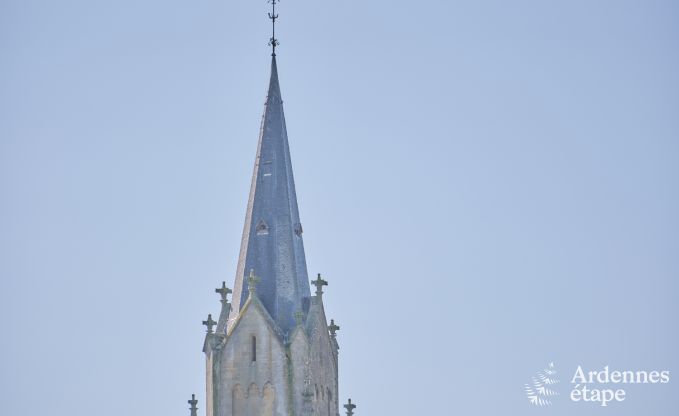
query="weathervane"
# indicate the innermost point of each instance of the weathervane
(273, 42)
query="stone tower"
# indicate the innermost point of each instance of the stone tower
(272, 351)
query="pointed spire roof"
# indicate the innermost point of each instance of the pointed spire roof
(272, 238)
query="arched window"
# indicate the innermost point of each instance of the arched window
(238, 402)
(253, 352)
(254, 401)
(268, 396)
(329, 403)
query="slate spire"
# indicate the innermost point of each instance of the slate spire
(272, 238)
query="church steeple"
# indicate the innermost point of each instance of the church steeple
(272, 238)
(276, 354)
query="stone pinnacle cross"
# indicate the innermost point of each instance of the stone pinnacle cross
(333, 328)
(319, 285)
(209, 323)
(252, 282)
(350, 408)
(273, 42)
(193, 402)
(299, 318)
(224, 291)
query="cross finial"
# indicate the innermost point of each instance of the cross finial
(350, 408)
(224, 291)
(209, 323)
(319, 285)
(333, 328)
(273, 42)
(252, 282)
(193, 402)
(299, 318)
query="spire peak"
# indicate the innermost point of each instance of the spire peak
(272, 241)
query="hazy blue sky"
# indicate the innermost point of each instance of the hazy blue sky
(488, 186)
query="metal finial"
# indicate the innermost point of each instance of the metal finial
(273, 42)
(193, 402)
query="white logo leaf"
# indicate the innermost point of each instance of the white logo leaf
(537, 391)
